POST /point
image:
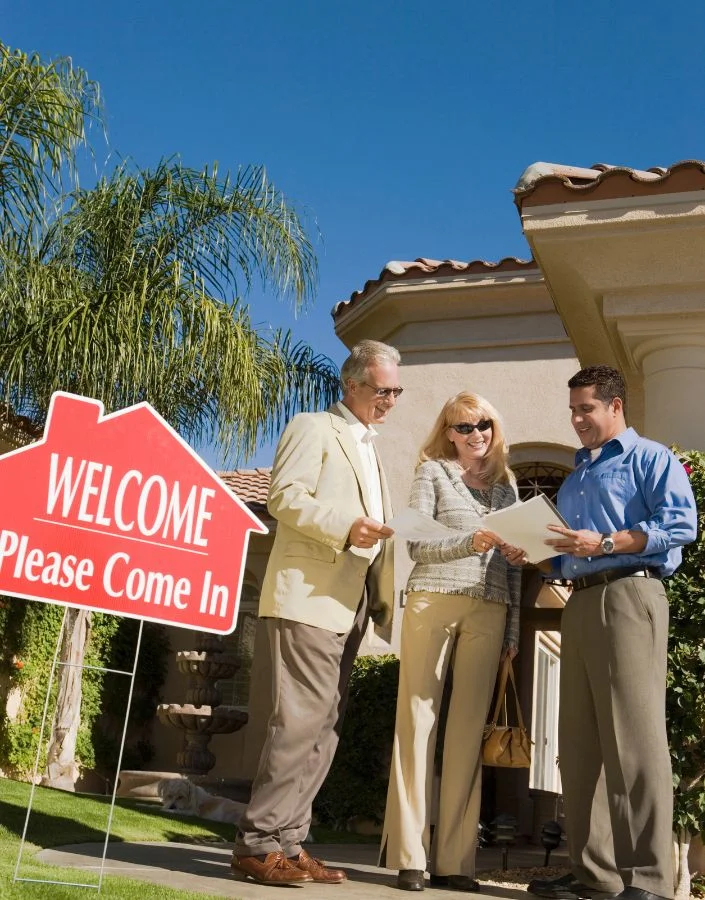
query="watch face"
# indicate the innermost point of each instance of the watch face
(607, 545)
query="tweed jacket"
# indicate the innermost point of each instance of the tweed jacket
(451, 566)
(317, 490)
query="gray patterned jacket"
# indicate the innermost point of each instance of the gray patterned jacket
(451, 566)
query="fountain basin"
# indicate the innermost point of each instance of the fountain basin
(202, 719)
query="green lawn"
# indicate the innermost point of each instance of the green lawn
(59, 818)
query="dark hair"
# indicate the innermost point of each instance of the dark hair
(608, 382)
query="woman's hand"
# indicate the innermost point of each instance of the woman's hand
(484, 540)
(515, 556)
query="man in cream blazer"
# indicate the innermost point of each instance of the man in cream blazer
(330, 569)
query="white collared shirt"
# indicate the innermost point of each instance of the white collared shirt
(364, 436)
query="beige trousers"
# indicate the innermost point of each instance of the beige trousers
(311, 669)
(614, 759)
(437, 627)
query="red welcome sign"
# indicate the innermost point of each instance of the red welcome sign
(118, 514)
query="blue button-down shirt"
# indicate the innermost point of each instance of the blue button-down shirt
(635, 485)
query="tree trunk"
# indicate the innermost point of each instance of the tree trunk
(62, 771)
(683, 872)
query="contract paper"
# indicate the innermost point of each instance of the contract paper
(412, 525)
(524, 525)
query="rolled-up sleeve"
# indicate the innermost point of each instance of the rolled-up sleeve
(673, 521)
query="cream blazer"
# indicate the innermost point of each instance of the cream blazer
(317, 491)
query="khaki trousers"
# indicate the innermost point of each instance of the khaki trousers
(614, 758)
(436, 627)
(311, 669)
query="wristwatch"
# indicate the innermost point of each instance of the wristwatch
(607, 543)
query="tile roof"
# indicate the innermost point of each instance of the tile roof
(545, 183)
(399, 270)
(251, 485)
(18, 430)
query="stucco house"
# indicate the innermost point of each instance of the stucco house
(617, 276)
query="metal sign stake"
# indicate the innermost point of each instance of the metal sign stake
(55, 664)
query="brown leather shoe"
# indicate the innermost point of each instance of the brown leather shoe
(317, 869)
(274, 869)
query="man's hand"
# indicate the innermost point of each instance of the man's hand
(365, 533)
(576, 543)
(515, 556)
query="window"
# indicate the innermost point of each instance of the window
(545, 775)
(235, 691)
(539, 478)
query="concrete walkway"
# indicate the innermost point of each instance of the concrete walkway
(204, 868)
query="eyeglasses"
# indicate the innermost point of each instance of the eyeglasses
(384, 392)
(467, 428)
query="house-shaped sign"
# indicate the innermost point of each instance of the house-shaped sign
(118, 514)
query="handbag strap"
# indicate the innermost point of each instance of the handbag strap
(506, 673)
(501, 690)
(520, 718)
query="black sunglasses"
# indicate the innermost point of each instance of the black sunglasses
(385, 392)
(467, 428)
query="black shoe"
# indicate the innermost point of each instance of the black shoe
(567, 887)
(410, 880)
(455, 882)
(635, 893)
(465, 883)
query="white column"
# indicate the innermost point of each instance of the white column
(674, 391)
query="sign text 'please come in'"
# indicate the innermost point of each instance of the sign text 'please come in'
(117, 514)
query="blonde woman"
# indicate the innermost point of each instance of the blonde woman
(462, 604)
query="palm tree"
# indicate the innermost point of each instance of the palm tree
(132, 294)
(129, 295)
(45, 109)
(131, 291)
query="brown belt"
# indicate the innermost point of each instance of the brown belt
(608, 575)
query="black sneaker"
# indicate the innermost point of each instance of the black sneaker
(567, 887)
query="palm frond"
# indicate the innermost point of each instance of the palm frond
(117, 301)
(45, 109)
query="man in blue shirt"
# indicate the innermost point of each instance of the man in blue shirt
(630, 508)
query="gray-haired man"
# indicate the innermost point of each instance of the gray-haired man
(330, 569)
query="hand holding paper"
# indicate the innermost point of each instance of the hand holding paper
(526, 524)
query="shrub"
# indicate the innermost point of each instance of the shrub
(28, 635)
(685, 701)
(357, 782)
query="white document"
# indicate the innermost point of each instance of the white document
(524, 525)
(412, 525)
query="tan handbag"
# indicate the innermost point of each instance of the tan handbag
(506, 745)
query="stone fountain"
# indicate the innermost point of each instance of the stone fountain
(203, 714)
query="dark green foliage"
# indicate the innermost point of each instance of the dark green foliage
(151, 672)
(28, 635)
(685, 700)
(357, 783)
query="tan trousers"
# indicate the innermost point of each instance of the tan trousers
(311, 669)
(436, 627)
(614, 758)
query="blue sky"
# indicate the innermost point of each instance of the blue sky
(400, 126)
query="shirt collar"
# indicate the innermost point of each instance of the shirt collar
(625, 440)
(363, 433)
